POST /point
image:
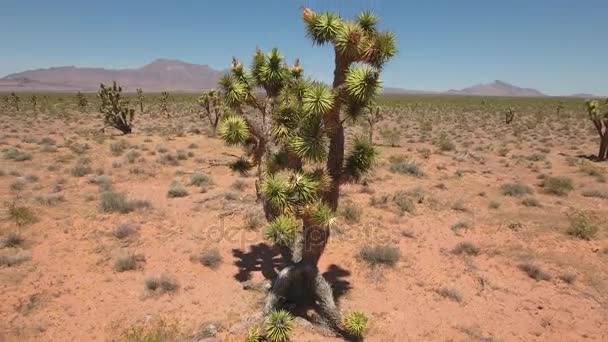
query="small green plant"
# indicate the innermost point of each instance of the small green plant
(581, 225)
(115, 109)
(21, 215)
(282, 230)
(558, 185)
(12, 239)
(351, 212)
(254, 334)
(158, 330)
(116, 202)
(534, 271)
(466, 248)
(356, 323)
(199, 179)
(209, 257)
(126, 262)
(515, 189)
(177, 190)
(279, 326)
(161, 284)
(404, 203)
(380, 255)
(406, 167)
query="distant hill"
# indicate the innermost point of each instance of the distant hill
(161, 74)
(497, 88)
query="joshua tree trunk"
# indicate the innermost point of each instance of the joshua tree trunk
(303, 277)
(602, 130)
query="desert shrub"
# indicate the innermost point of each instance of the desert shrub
(355, 323)
(116, 202)
(380, 255)
(132, 156)
(199, 179)
(161, 284)
(14, 258)
(515, 189)
(494, 205)
(119, 147)
(450, 293)
(209, 257)
(254, 335)
(581, 226)
(557, 185)
(534, 271)
(11, 240)
(351, 212)
(253, 220)
(124, 230)
(50, 200)
(459, 205)
(17, 185)
(126, 262)
(81, 170)
(103, 182)
(568, 277)
(239, 185)
(158, 330)
(465, 247)
(425, 153)
(17, 155)
(404, 203)
(531, 202)
(279, 326)
(444, 143)
(406, 167)
(460, 225)
(379, 202)
(21, 215)
(596, 194)
(177, 190)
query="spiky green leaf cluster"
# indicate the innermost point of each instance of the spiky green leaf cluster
(356, 323)
(278, 326)
(234, 130)
(254, 335)
(360, 159)
(282, 230)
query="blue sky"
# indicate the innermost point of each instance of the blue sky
(556, 46)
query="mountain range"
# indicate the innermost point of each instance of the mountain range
(175, 75)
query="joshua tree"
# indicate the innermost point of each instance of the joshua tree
(509, 115)
(298, 127)
(81, 101)
(115, 109)
(560, 107)
(140, 99)
(373, 118)
(34, 102)
(164, 103)
(598, 113)
(213, 106)
(14, 101)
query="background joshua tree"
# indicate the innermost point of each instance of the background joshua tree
(140, 99)
(34, 102)
(14, 101)
(295, 136)
(509, 115)
(373, 118)
(81, 101)
(213, 108)
(115, 109)
(164, 103)
(598, 113)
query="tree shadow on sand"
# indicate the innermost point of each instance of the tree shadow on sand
(269, 261)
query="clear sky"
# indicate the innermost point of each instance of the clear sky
(557, 46)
